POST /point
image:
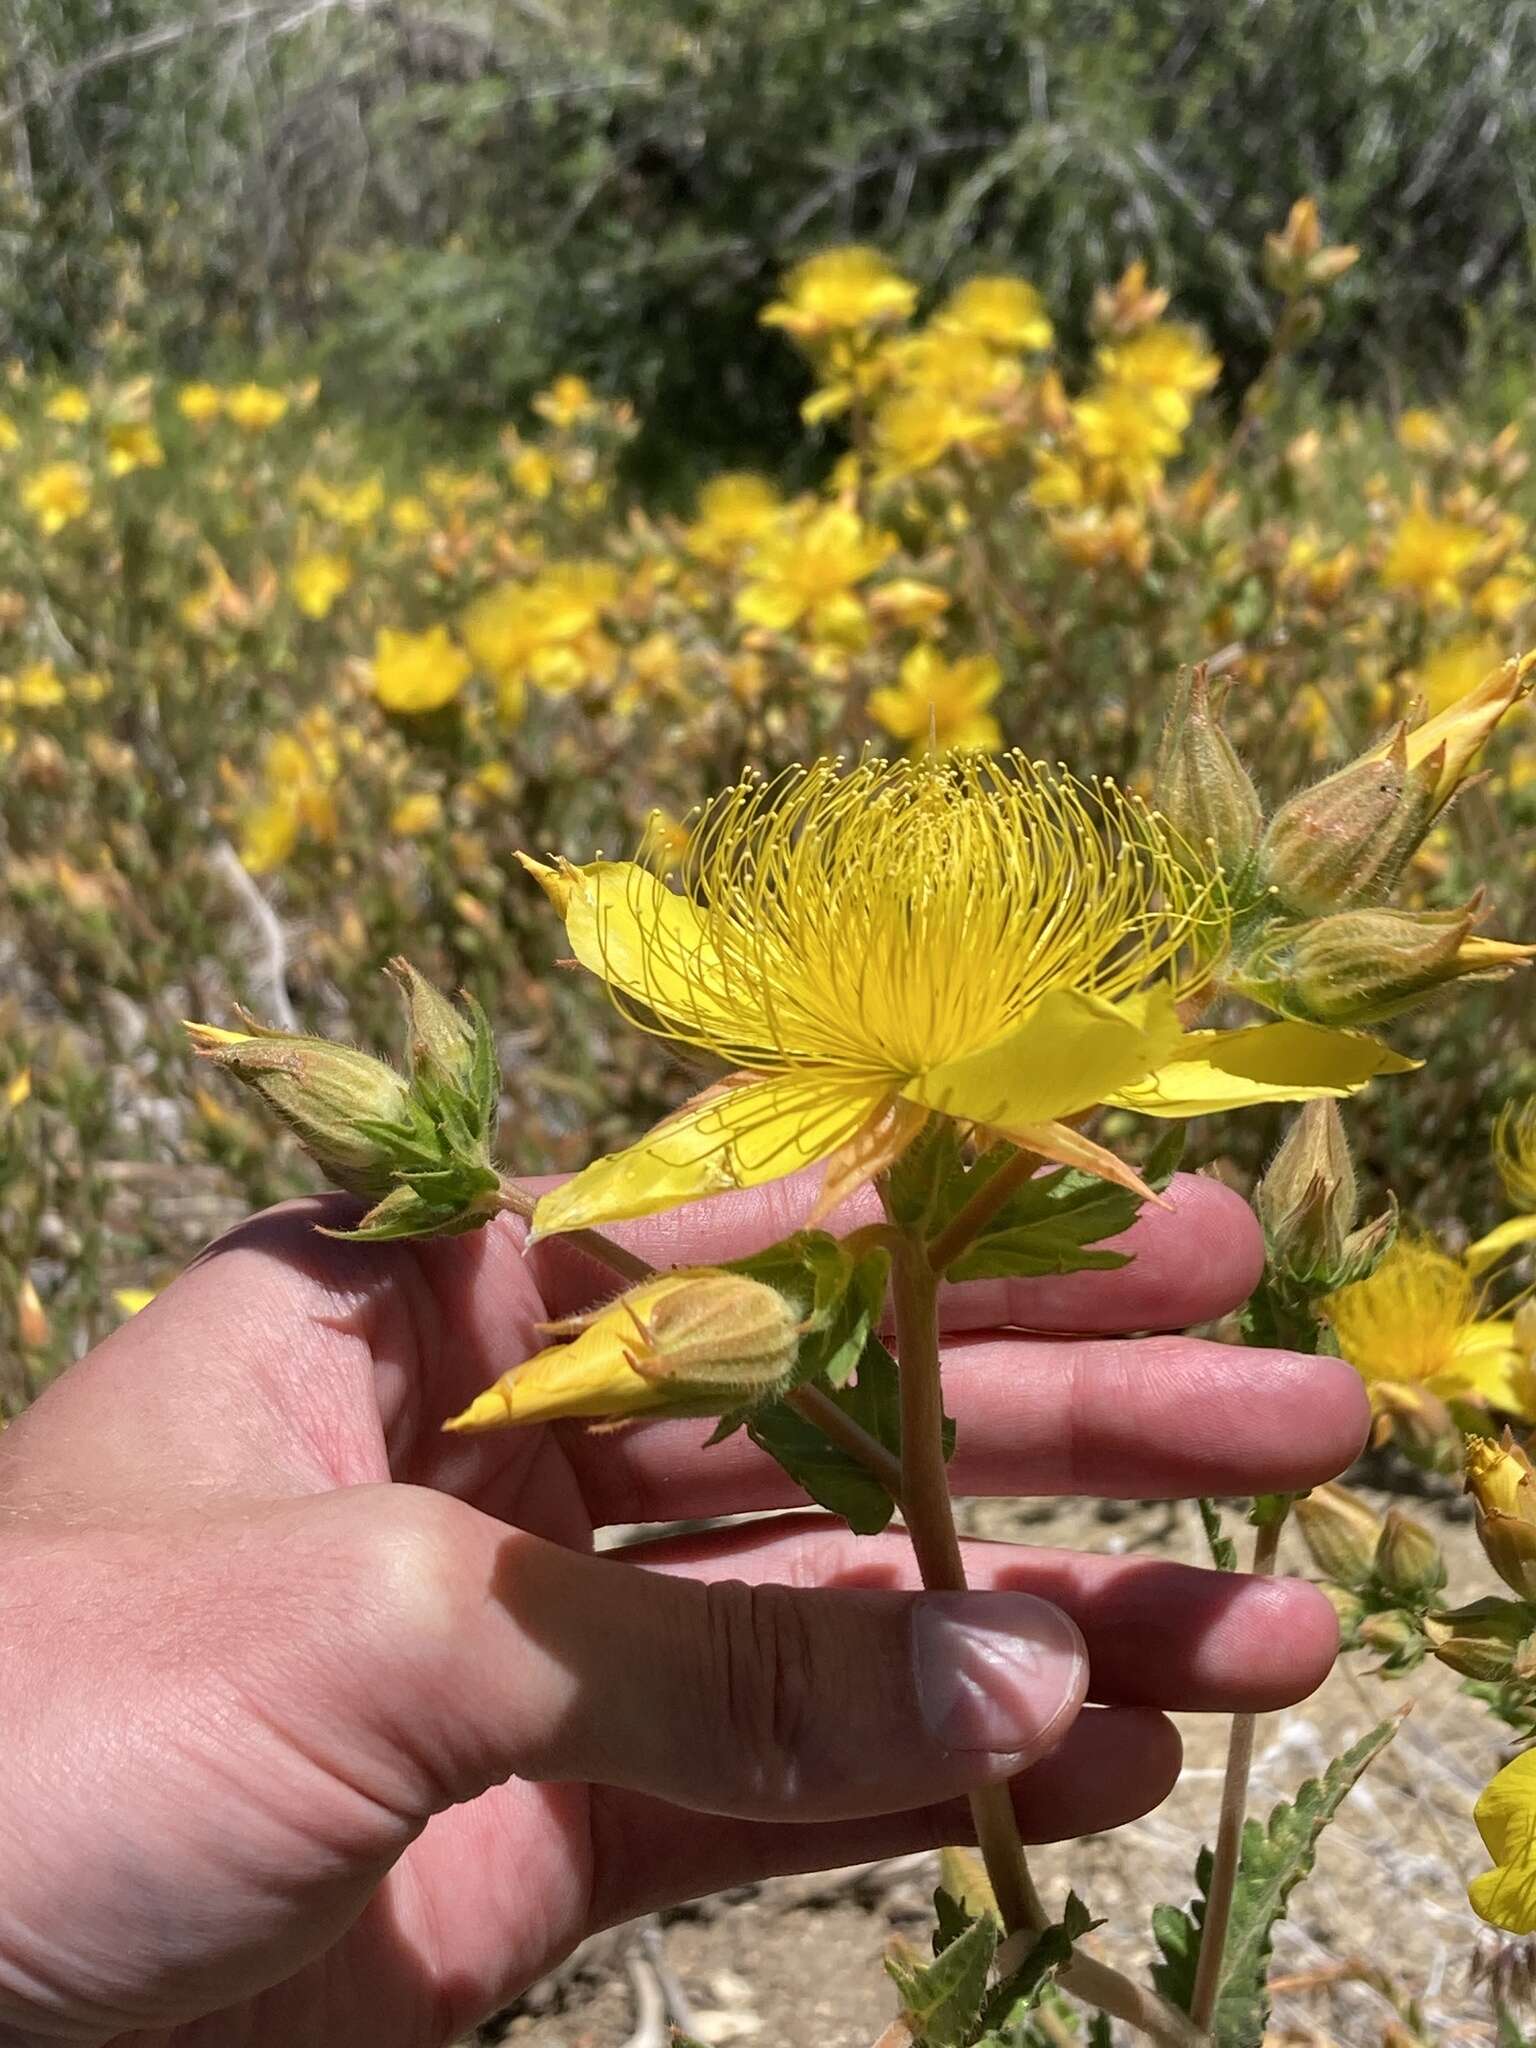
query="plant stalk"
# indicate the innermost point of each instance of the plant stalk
(1229, 1834)
(969, 1222)
(517, 1201)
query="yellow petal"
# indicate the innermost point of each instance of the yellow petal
(736, 1137)
(590, 1377)
(1285, 1062)
(1489, 1367)
(1506, 1820)
(1064, 1146)
(651, 945)
(871, 1149)
(1505, 1237)
(1071, 1051)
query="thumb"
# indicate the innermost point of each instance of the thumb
(498, 1653)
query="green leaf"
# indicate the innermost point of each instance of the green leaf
(1275, 1857)
(1021, 1990)
(928, 1180)
(1048, 1224)
(1223, 1550)
(834, 1479)
(942, 2000)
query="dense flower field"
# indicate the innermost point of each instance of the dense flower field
(279, 698)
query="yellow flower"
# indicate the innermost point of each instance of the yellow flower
(255, 407)
(1429, 556)
(1503, 597)
(840, 291)
(940, 704)
(56, 494)
(199, 403)
(1166, 358)
(1423, 432)
(131, 445)
(804, 571)
(299, 770)
(1130, 432)
(1514, 1154)
(346, 504)
(416, 815)
(1004, 312)
(986, 940)
(734, 511)
(411, 515)
(38, 688)
(546, 632)
(567, 402)
(414, 672)
(532, 472)
(69, 405)
(1415, 1323)
(317, 580)
(1506, 1820)
(1451, 671)
(10, 434)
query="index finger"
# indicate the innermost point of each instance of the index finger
(1190, 1261)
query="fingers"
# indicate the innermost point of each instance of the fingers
(1111, 1767)
(486, 1651)
(1137, 1419)
(1158, 1634)
(1191, 1261)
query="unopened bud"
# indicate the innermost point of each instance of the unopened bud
(1296, 260)
(1441, 751)
(1481, 1640)
(1418, 1422)
(32, 1325)
(331, 1097)
(1396, 1638)
(1345, 841)
(1408, 1560)
(1341, 1532)
(1202, 788)
(1307, 1200)
(696, 1342)
(1502, 1483)
(1364, 966)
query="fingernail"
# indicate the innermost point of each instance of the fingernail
(995, 1671)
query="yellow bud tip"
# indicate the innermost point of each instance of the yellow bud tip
(209, 1037)
(556, 881)
(490, 1410)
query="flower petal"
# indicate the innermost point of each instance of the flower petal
(1064, 1146)
(1505, 1237)
(651, 945)
(733, 1137)
(1071, 1051)
(1285, 1062)
(1506, 1820)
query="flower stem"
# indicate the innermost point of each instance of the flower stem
(1234, 1811)
(840, 1428)
(968, 1223)
(517, 1201)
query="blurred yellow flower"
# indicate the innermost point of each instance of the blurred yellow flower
(840, 291)
(1423, 432)
(199, 403)
(937, 704)
(1005, 312)
(346, 504)
(415, 672)
(255, 407)
(1451, 671)
(56, 494)
(1429, 556)
(131, 1299)
(566, 402)
(1166, 357)
(1130, 432)
(1506, 1820)
(131, 445)
(733, 511)
(533, 473)
(416, 815)
(411, 515)
(10, 434)
(803, 572)
(546, 632)
(1416, 1324)
(317, 580)
(69, 405)
(36, 688)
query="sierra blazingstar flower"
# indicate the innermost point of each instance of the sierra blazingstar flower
(1506, 1820)
(989, 940)
(1415, 1327)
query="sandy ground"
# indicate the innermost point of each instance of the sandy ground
(1383, 1925)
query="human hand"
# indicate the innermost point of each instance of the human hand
(323, 1726)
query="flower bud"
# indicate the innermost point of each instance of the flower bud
(1307, 1200)
(1442, 750)
(1364, 966)
(1418, 1422)
(32, 1325)
(1502, 1483)
(1481, 1640)
(1408, 1560)
(1341, 1533)
(1396, 1638)
(695, 1342)
(331, 1097)
(442, 1039)
(1346, 840)
(1201, 787)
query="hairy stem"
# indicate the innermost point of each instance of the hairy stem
(517, 1201)
(968, 1224)
(1234, 1811)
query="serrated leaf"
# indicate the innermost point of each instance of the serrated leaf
(942, 2000)
(1223, 1550)
(1048, 1224)
(1276, 1856)
(830, 1475)
(951, 1918)
(1020, 1991)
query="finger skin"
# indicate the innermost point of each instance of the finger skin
(1159, 1634)
(1192, 1260)
(1153, 1418)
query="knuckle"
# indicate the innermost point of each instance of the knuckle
(759, 1689)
